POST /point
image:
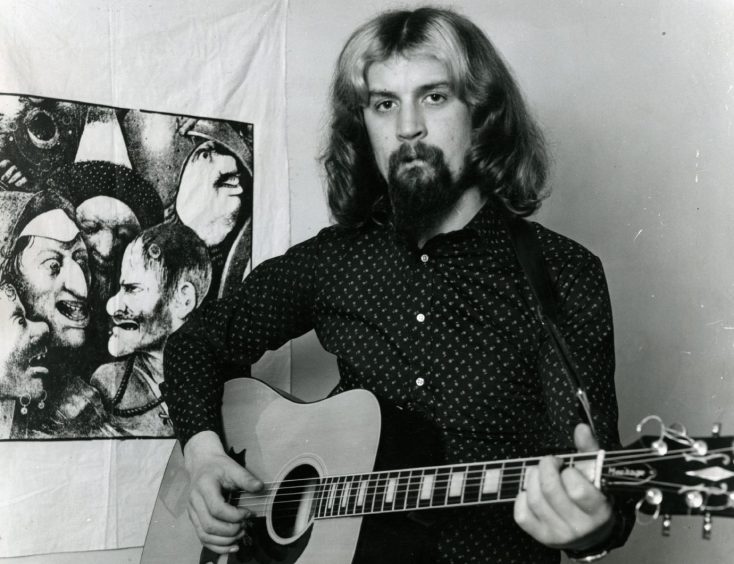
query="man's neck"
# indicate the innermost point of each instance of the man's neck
(466, 207)
(153, 361)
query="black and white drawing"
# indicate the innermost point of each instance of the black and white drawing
(115, 225)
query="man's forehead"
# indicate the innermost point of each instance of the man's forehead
(407, 71)
(53, 224)
(42, 243)
(135, 267)
(107, 209)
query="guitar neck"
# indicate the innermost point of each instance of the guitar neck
(435, 487)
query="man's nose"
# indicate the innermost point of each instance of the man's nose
(104, 242)
(411, 123)
(39, 330)
(114, 305)
(74, 279)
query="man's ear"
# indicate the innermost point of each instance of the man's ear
(184, 299)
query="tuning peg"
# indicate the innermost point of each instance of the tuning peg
(707, 525)
(716, 431)
(666, 525)
(694, 500)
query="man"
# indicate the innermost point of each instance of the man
(214, 198)
(22, 366)
(419, 294)
(165, 275)
(46, 261)
(48, 265)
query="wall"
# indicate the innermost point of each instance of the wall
(634, 98)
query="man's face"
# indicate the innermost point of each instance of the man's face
(209, 194)
(55, 279)
(412, 100)
(107, 225)
(141, 318)
(22, 348)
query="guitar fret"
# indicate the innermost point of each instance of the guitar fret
(319, 498)
(428, 481)
(413, 489)
(401, 490)
(472, 492)
(440, 488)
(390, 491)
(362, 492)
(345, 497)
(353, 485)
(371, 493)
(341, 499)
(456, 485)
(510, 480)
(335, 498)
(380, 493)
(490, 482)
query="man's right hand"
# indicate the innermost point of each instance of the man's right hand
(220, 526)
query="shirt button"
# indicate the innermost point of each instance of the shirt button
(419, 381)
(424, 258)
(420, 317)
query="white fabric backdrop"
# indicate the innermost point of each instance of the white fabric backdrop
(219, 59)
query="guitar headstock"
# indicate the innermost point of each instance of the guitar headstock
(677, 475)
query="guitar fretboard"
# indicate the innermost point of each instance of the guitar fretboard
(429, 488)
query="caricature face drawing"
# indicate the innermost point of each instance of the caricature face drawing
(140, 313)
(22, 348)
(54, 286)
(209, 194)
(107, 225)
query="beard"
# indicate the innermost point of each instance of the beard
(421, 189)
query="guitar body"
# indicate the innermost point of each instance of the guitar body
(278, 439)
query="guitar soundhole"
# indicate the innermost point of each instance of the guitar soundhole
(291, 512)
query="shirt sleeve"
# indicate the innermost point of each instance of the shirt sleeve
(586, 326)
(274, 304)
(585, 323)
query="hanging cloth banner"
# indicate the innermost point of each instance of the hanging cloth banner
(143, 174)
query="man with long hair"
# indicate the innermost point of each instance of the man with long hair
(418, 292)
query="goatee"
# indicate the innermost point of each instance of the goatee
(421, 189)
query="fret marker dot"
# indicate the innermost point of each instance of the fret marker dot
(420, 317)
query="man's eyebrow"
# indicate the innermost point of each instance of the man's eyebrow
(422, 89)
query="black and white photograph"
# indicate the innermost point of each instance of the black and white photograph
(390, 282)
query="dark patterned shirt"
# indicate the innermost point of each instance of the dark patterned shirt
(447, 330)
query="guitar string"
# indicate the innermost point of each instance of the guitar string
(348, 504)
(344, 510)
(578, 457)
(611, 461)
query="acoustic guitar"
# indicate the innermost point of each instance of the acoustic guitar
(329, 467)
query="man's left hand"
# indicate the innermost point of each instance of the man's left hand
(562, 508)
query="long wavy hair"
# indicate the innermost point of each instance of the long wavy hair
(507, 159)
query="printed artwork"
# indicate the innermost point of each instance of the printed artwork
(115, 226)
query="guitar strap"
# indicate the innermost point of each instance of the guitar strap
(529, 255)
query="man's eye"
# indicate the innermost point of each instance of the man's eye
(435, 98)
(82, 261)
(91, 228)
(385, 105)
(53, 266)
(21, 320)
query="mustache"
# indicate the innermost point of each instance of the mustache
(122, 317)
(408, 153)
